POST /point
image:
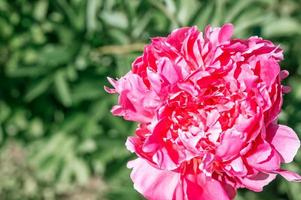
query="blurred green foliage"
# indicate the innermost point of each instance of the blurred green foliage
(58, 139)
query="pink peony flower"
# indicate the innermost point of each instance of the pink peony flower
(207, 107)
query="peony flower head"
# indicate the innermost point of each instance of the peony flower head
(207, 108)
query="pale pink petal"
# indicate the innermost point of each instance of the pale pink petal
(131, 144)
(155, 184)
(238, 166)
(109, 90)
(289, 175)
(283, 74)
(136, 102)
(112, 81)
(285, 141)
(258, 181)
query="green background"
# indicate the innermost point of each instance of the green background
(58, 139)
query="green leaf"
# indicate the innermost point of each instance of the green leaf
(115, 19)
(62, 87)
(37, 88)
(203, 18)
(92, 11)
(81, 171)
(40, 10)
(218, 13)
(5, 111)
(282, 27)
(54, 55)
(236, 9)
(187, 9)
(87, 91)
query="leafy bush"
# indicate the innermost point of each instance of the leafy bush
(55, 57)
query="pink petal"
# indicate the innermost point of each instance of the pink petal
(164, 154)
(109, 90)
(261, 153)
(257, 182)
(283, 74)
(155, 80)
(231, 144)
(155, 140)
(286, 89)
(178, 35)
(204, 188)
(168, 71)
(289, 175)
(285, 141)
(155, 184)
(166, 157)
(269, 71)
(112, 81)
(117, 110)
(264, 158)
(238, 167)
(225, 33)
